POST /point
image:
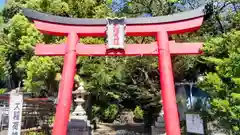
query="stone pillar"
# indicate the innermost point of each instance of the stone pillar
(79, 123)
(159, 126)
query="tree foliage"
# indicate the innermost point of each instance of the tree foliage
(223, 84)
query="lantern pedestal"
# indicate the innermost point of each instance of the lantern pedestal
(159, 126)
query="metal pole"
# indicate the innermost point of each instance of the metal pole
(167, 85)
(66, 86)
(191, 85)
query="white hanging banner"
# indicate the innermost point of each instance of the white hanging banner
(15, 113)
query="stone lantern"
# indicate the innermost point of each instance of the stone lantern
(79, 112)
(79, 123)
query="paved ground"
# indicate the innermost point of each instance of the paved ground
(120, 129)
(3, 132)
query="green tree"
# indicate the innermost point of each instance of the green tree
(223, 84)
(19, 36)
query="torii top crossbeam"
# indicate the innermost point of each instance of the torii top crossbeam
(115, 31)
(143, 26)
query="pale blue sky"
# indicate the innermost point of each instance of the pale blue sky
(1, 3)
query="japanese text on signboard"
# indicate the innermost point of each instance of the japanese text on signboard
(15, 113)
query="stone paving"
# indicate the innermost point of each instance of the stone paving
(3, 132)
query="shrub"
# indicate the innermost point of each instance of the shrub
(34, 133)
(3, 90)
(138, 112)
(111, 112)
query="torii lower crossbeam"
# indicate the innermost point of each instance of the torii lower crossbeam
(130, 50)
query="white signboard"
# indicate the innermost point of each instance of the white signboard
(115, 33)
(194, 124)
(15, 113)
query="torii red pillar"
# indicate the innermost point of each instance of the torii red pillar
(160, 27)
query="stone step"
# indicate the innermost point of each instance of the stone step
(104, 132)
(160, 125)
(158, 131)
(162, 130)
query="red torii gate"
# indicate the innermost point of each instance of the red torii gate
(160, 27)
